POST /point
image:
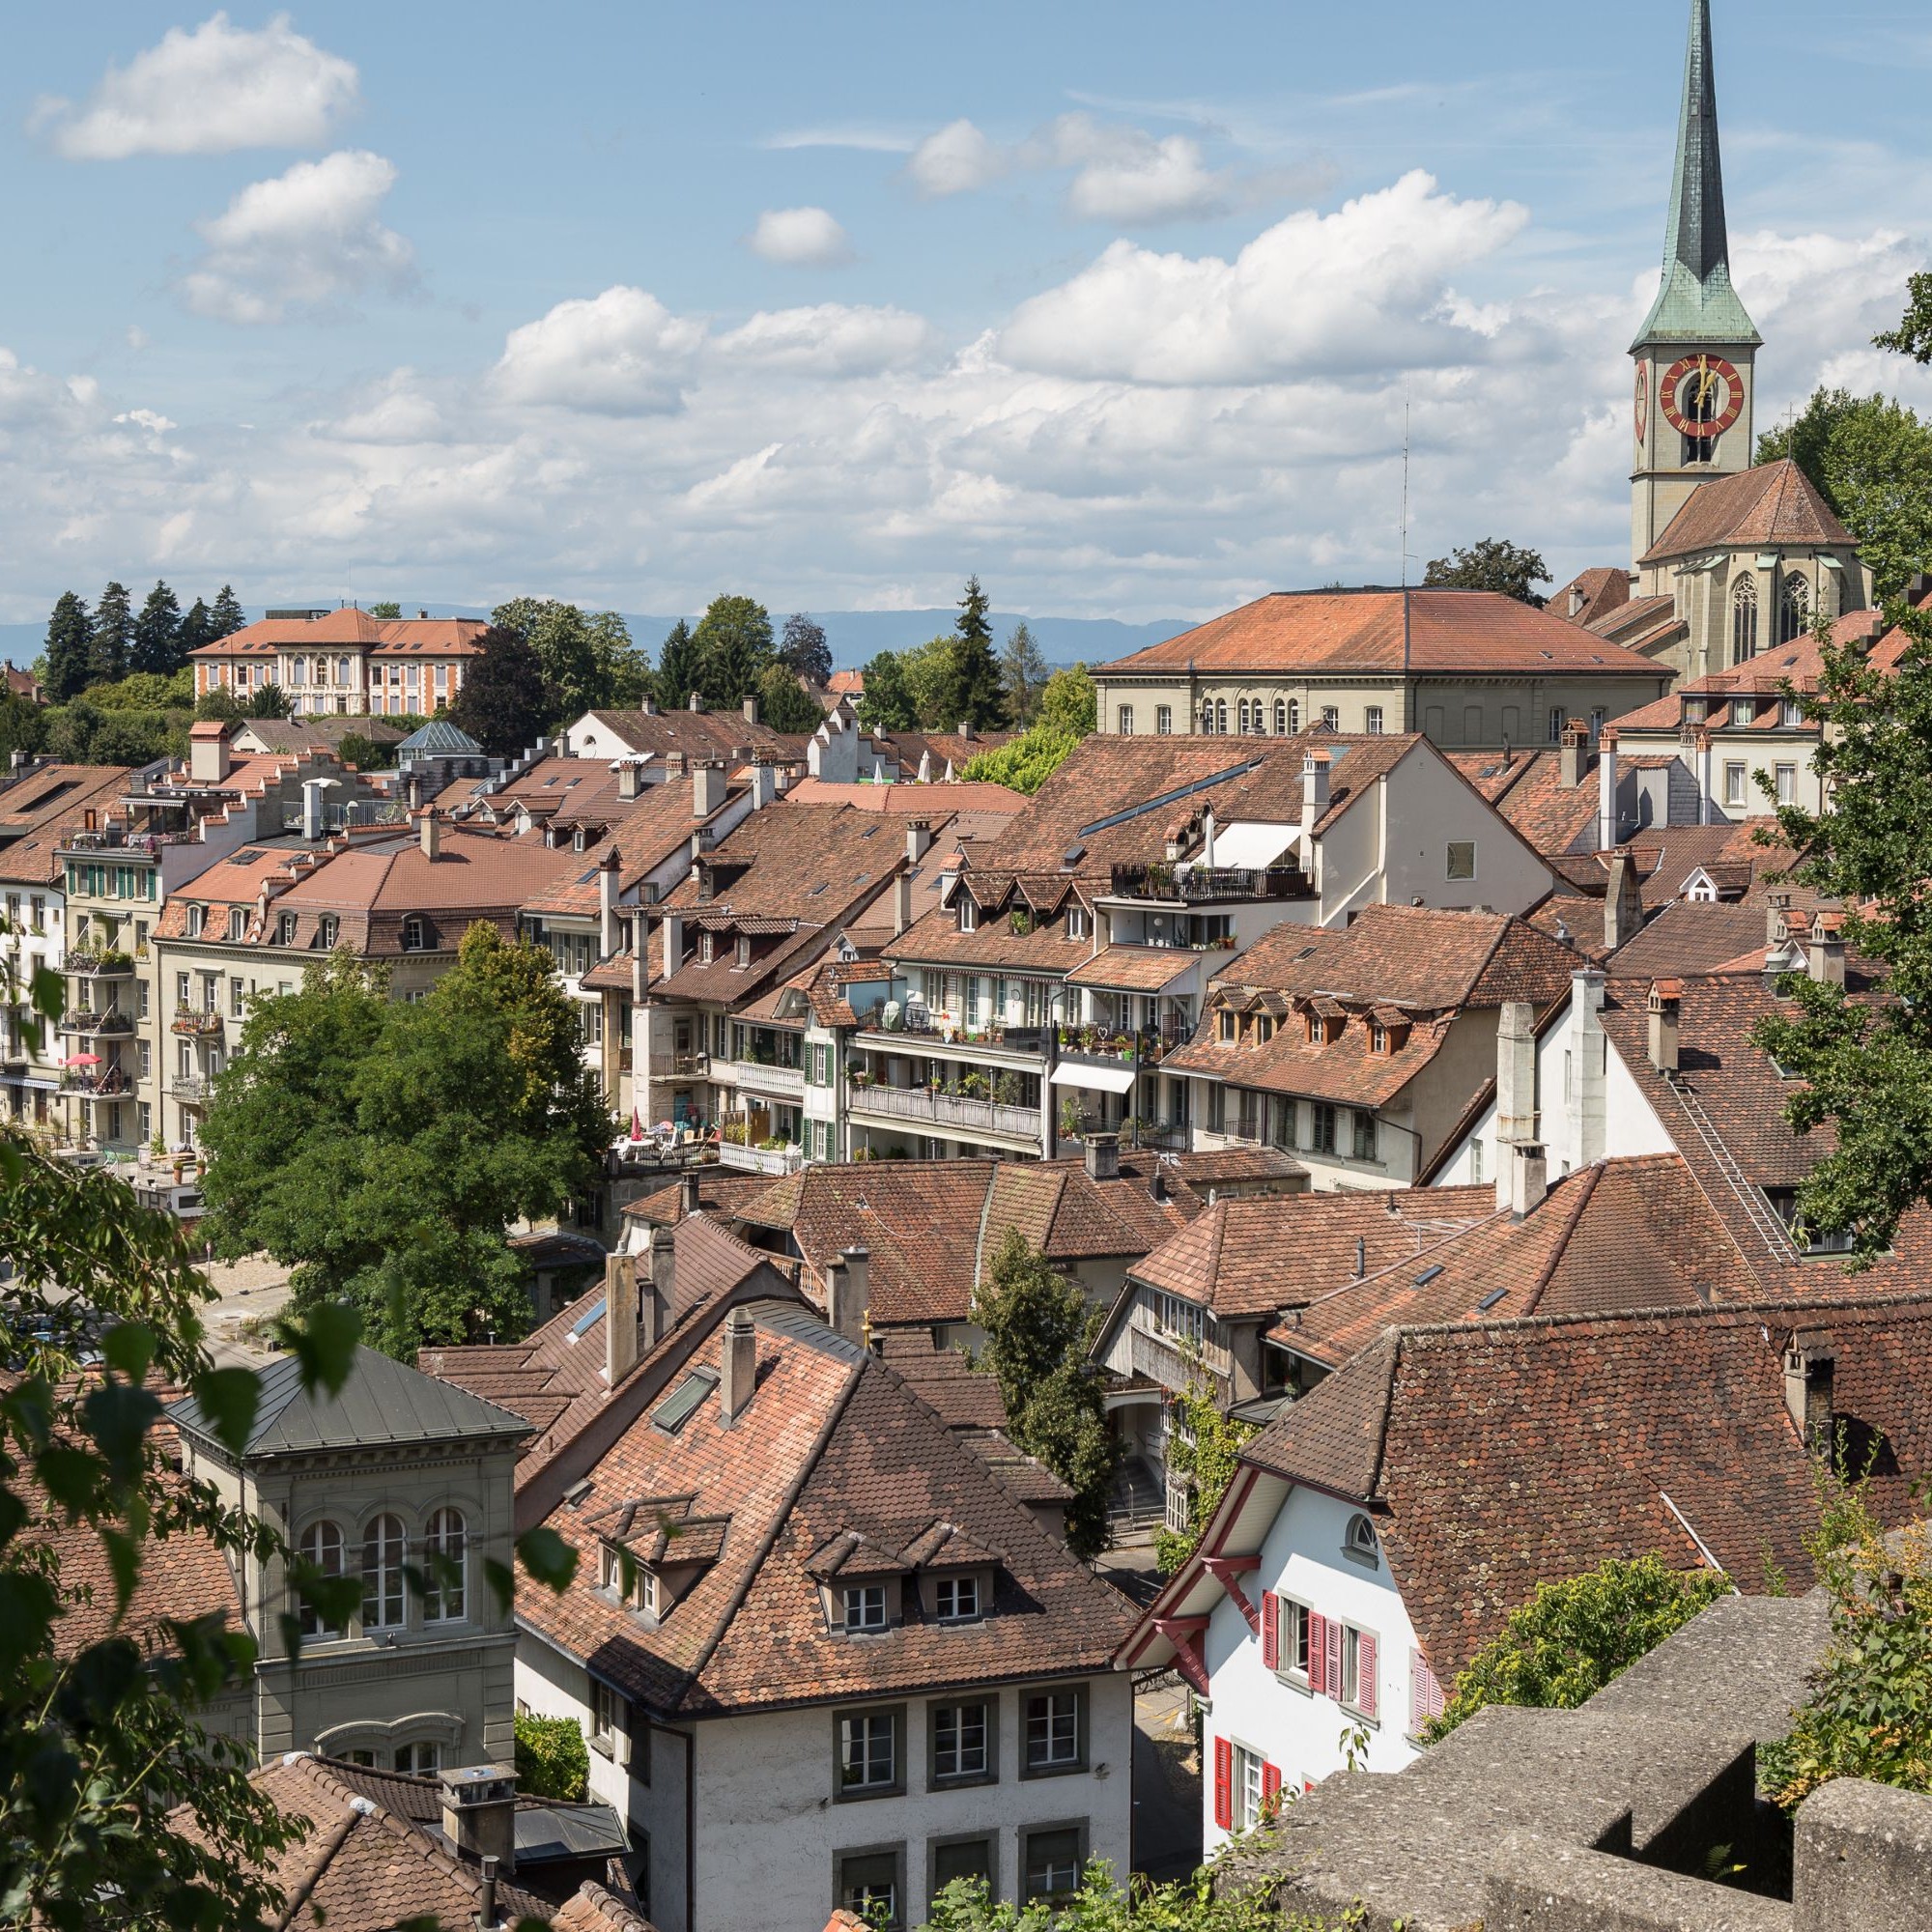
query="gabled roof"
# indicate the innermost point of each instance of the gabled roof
(39, 809)
(644, 833)
(1419, 631)
(380, 1401)
(702, 734)
(1776, 503)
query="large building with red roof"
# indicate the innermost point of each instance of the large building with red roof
(344, 662)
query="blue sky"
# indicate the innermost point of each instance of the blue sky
(1122, 307)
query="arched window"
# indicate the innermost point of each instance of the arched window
(1208, 719)
(420, 1760)
(447, 1546)
(1793, 606)
(1258, 720)
(1241, 721)
(321, 1545)
(1280, 719)
(1221, 716)
(1361, 1542)
(1744, 619)
(382, 1548)
(1294, 716)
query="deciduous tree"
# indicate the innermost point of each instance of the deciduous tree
(1070, 703)
(1207, 1451)
(566, 652)
(623, 673)
(1040, 1329)
(1492, 564)
(70, 649)
(887, 704)
(803, 649)
(733, 643)
(387, 610)
(1912, 336)
(505, 703)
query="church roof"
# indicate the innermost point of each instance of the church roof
(1773, 503)
(1696, 302)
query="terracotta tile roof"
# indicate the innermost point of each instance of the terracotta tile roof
(1591, 594)
(390, 636)
(1254, 1254)
(365, 1866)
(991, 803)
(1643, 624)
(1384, 631)
(960, 1395)
(560, 791)
(833, 1449)
(941, 748)
(1135, 969)
(1773, 503)
(644, 833)
(1530, 793)
(703, 734)
(721, 1192)
(1688, 937)
(934, 938)
(1237, 1167)
(37, 811)
(590, 1908)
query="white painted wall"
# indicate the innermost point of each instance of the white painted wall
(1298, 1732)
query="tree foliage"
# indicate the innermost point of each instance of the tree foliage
(1869, 1714)
(887, 703)
(155, 646)
(1039, 1330)
(566, 654)
(1871, 459)
(970, 693)
(784, 704)
(385, 609)
(505, 703)
(1912, 336)
(1573, 1636)
(734, 646)
(1866, 1067)
(226, 617)
(803, 649)
(1195, 1904)
(383, 1151)
(677, 667)
(1070, 703)
(146, 690)
(552, 1760)
(1023, 668)
(1023, 763)
(1492, 564)
(111, 637)
(70, 649)
(1205, 1449)
(86, 734)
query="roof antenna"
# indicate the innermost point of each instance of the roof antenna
(1403, 538)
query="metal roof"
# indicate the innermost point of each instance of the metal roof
(439, 738)
(380, 1401)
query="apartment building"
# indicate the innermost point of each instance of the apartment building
(1469, 669)
(344, 662)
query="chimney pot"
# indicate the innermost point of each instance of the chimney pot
(1574, 755)
(1827, 950)
(919, 839)
(629, 775)
(1104, 1156)
(429, 831)
(740, 1366)
(697, 700)
(1524, 1179)
(687, 1193)
(479, 1812)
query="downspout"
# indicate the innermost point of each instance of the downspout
(690, 1831)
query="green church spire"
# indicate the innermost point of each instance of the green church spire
(1696, 302)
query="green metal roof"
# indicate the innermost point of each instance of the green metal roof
(1696, 302)
(439, 738)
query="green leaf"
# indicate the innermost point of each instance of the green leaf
(130, 1347)
(323, 1342)
(229, 1398)
(548, 1558)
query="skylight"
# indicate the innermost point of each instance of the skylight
(584, 1321)
(681, 1403)
(1489, 1300)
(1427, 1275)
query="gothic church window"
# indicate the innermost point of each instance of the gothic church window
(1744, 619)
(1794, 607)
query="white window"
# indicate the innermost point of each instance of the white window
(648, 1599)
(238, 923)
(1220, 717)
(1556, 725)
(1787, 785)
(1791, 713)
(1280, 717)
(285, 929)
(1373, 724)
(968, 913)
(957, 1598)
(1331, 718)
(865, 1606)
(1292, 1623)
(1163, 721)
(446, 1579)
(420, 1760)
(959, 1741)
(198, 921)
(1359, 1690)
(321, 1546)
(413, 937)
(605, 1711)
(382, 1549)
(867, 1751)
(869, 1888)
(331, 927)
(1250, 1773)
(1053, 1731)
(1125, 720)
(1734, 782)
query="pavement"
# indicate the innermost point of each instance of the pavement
(249, 1294)
(1167, 1781)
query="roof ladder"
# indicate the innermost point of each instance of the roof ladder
(1758, 1209)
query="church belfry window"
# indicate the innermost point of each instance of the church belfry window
(1744, 619)
(1697, 407)
(1793, 606)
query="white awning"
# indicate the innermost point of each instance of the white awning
(1252, 846)
(1117, 1079)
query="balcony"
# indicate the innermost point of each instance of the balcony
(192, 1024)
(757, 1076)
(1097, 1046)
(780, 1160)
(105, 1082)
(680, 1067)
(1202, 885)
(191, 1090)
(934, 1112)
(98, 966)
(944, 1036)
(112, 1024)
(1163, 1361)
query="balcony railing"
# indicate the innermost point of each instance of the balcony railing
(680, 1065)
(761, 1160)
(112, 1022)
(924, 1031)
(104, 1081)
(761, 1077)
(1101, 1047)
(100, 965)
(929, 1108)
(193, 1089)
(1192, 885)
(192, 1024)
(1153, 1355)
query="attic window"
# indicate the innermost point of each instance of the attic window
(969, 914)
(1359, 1545)
(1230, 1029)
(577, 840)
(681, 1403)
(197, 921)
(1264, 1030)
(744, 953)
(1378, 1037)
(1427, 1275)
(238, 923)
(706, 948)
(285, 929)
(331, 927)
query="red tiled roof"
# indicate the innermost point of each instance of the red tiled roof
(1773, 503)
(644, 834)
(387, 636)
(1591, 594)
(1386, 632)
(37, 811)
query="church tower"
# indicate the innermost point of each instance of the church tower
(1695, 353)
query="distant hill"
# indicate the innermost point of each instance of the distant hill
(855, 635)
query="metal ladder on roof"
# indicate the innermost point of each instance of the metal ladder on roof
(1758, 1209)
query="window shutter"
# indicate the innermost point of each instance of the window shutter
(1318, 1654)
(1270, 1790)
(1418, 1693)
(1271, 1630)
(1224, 1784)
(1368, 1688)
(1333, 1685)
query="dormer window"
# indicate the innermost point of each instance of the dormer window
(1264, 1030)
(577, 840)
(648, 1598)
(969, 914)
(197, 921)
(238, 923)
(744, 953)
(1379, 1039)
(610, 1569)
(285, 929)
(707, 950)
(1230, 1030)
(865, 1606)
(957, 1599)
(1076, 921)
(414, 935)
(331, 928)
(1791, 715)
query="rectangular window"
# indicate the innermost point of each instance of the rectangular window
(1461, 863)
(1125, 720)
(1229, 1029)
(1331, 718)
(1734, 783)
(962, 1858)
(1787, 785)
(868, 1756)
(1372, 720)
(604, 1718)
(1050, 1863)
(1359, 1670)
(1053, 1727)
(957, 1598)
(1163, 721)
(1322, 1127)
(141, 998)
(1250, 1783)
(1292, 1621)
(145, 1113)
(1365, 1135)
(146, 1057)
(866, 1607)
(961, 1742)
(235, 999)
(869, 1886)
(1426, 1696)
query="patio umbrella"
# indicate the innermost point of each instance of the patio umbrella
(637, 1125)
(82, 1060)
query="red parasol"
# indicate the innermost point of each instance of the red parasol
(82, 1060)
(637, 1125)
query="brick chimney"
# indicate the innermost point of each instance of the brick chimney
(1666, 996)
(479, 1813)
(621, 1318)
(1574, 754)
(1104, 1156)
(740, 1366)
(848, 1294)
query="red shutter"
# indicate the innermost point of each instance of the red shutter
(1224, 1784)
(1270, 1790)
(1332, 1673)
(1271, 1630)
(1318, 1654)
(1418, 1693)
(1367, 1687)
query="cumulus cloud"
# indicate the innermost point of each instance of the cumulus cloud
(799, 238)
(206, 91)
(829, 340)
(305, 240)
(1362, 288)
(956, 161)
(620, 354)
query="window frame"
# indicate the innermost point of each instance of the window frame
(1081, 1831)
(1163, 721)
(1449, 850)
(863, 1626)
(968, 1580)
(1293, 1614)
(989, 1705)
(445, 1602)
(894, 1717)
(388, 1585)
(308, 1616)
(1030, 1767)
(988, 1838)
(846, 1855)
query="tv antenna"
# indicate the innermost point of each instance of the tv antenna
(1402, 538)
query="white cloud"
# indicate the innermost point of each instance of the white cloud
(622, 353)
(956, 161)
(829, 340)
(206, 92)
(1128, 177)
(799, 238)
(304, 240)
(1353, 291)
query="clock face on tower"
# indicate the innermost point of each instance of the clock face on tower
(1642, 400)
(1702, 396)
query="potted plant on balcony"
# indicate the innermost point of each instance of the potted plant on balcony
(973, 1086)
(1071, 1118)
(1006, 1090)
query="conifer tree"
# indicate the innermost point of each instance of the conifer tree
(197, 628)
(113, 634)
(677, 667)
(733, 641)
(70, 649)
(157, 637)
(226, 615)
(973, 694)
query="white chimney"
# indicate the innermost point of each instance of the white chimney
(1208, 839)
(208, 752)
(1827, 950)
(629, 775)
(697, 700)
(650, 706)
(313, 820)
(1607, 788)
(707, 789)
(1664, 1007)
(1516, 1071)
(1315, 775)
(764, 785)
(654, 1287)
(621, 1318)
(609, 878)
(919, 839)
(429, 831)
(1588, 1049)
(901, 903)
(740, 1366)
(674, 938)
(1524, 1179)
(641, 978)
